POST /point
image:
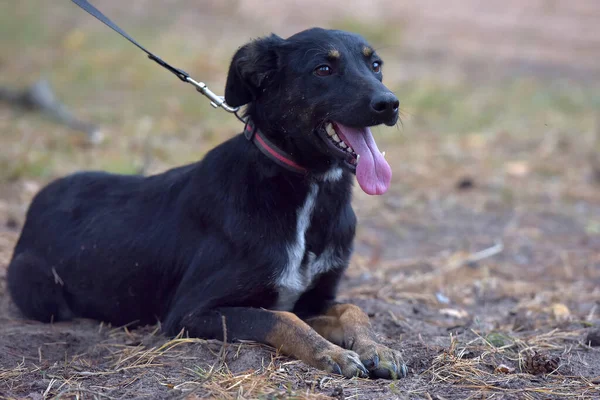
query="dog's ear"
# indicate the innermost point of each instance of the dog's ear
(251, 69)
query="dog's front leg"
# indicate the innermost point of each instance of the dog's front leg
(282, 330)
(349, 327)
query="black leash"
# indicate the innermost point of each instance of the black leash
(215, 100)
(250, 132)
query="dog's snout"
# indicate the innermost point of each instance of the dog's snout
(385, 103)
(385, 106)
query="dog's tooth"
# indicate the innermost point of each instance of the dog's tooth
(357, 158)
(343, 145)
(329, 129)
(336, 137)
(349, 150)
(383, 154)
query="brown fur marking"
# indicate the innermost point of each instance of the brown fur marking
(344, 324)
(333, 54)
(367, 51)
(293, 336)
(329, 327)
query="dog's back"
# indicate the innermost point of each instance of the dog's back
(96, 232)
(120, 248)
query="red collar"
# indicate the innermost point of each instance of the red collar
(273, 152)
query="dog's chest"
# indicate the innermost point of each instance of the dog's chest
(303, 266)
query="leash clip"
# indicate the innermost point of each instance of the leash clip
(215, 100)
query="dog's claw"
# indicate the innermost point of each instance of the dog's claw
(337, 370)
(404, 370)
(392, 371)
(364, 370)
(382, 362)
(342, 362)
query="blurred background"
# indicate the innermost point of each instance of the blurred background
(461, 67)
(542, 56)
(499, 98)
(492, 222)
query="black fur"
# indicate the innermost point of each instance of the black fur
(180, 246)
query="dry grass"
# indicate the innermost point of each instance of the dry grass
(124, 364)
(491, 370)
(544, 360)
(487, 295)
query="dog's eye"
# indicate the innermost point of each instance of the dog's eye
(376, 67)
(323, 70)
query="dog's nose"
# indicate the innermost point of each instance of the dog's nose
(385, 105)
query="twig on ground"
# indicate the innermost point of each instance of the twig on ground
(82, 390)
(41, 97)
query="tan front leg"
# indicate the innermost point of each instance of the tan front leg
(348, 326)
(294, 337)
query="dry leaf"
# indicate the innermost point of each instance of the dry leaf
(538, 363)
(561, 312)
(517, 169)
(451, 312)
(505, 369)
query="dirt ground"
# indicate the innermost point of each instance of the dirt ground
(467, 287)
(481, 265)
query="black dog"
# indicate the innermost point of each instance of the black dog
(258, 232)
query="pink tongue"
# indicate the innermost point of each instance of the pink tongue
(373, 173)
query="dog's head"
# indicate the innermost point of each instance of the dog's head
(316, 94)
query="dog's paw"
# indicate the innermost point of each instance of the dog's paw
(382, 362)
(342, 362)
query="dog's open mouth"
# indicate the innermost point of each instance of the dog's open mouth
(357, 147)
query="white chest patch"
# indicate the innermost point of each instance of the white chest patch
(333, 175)
(295, 278)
